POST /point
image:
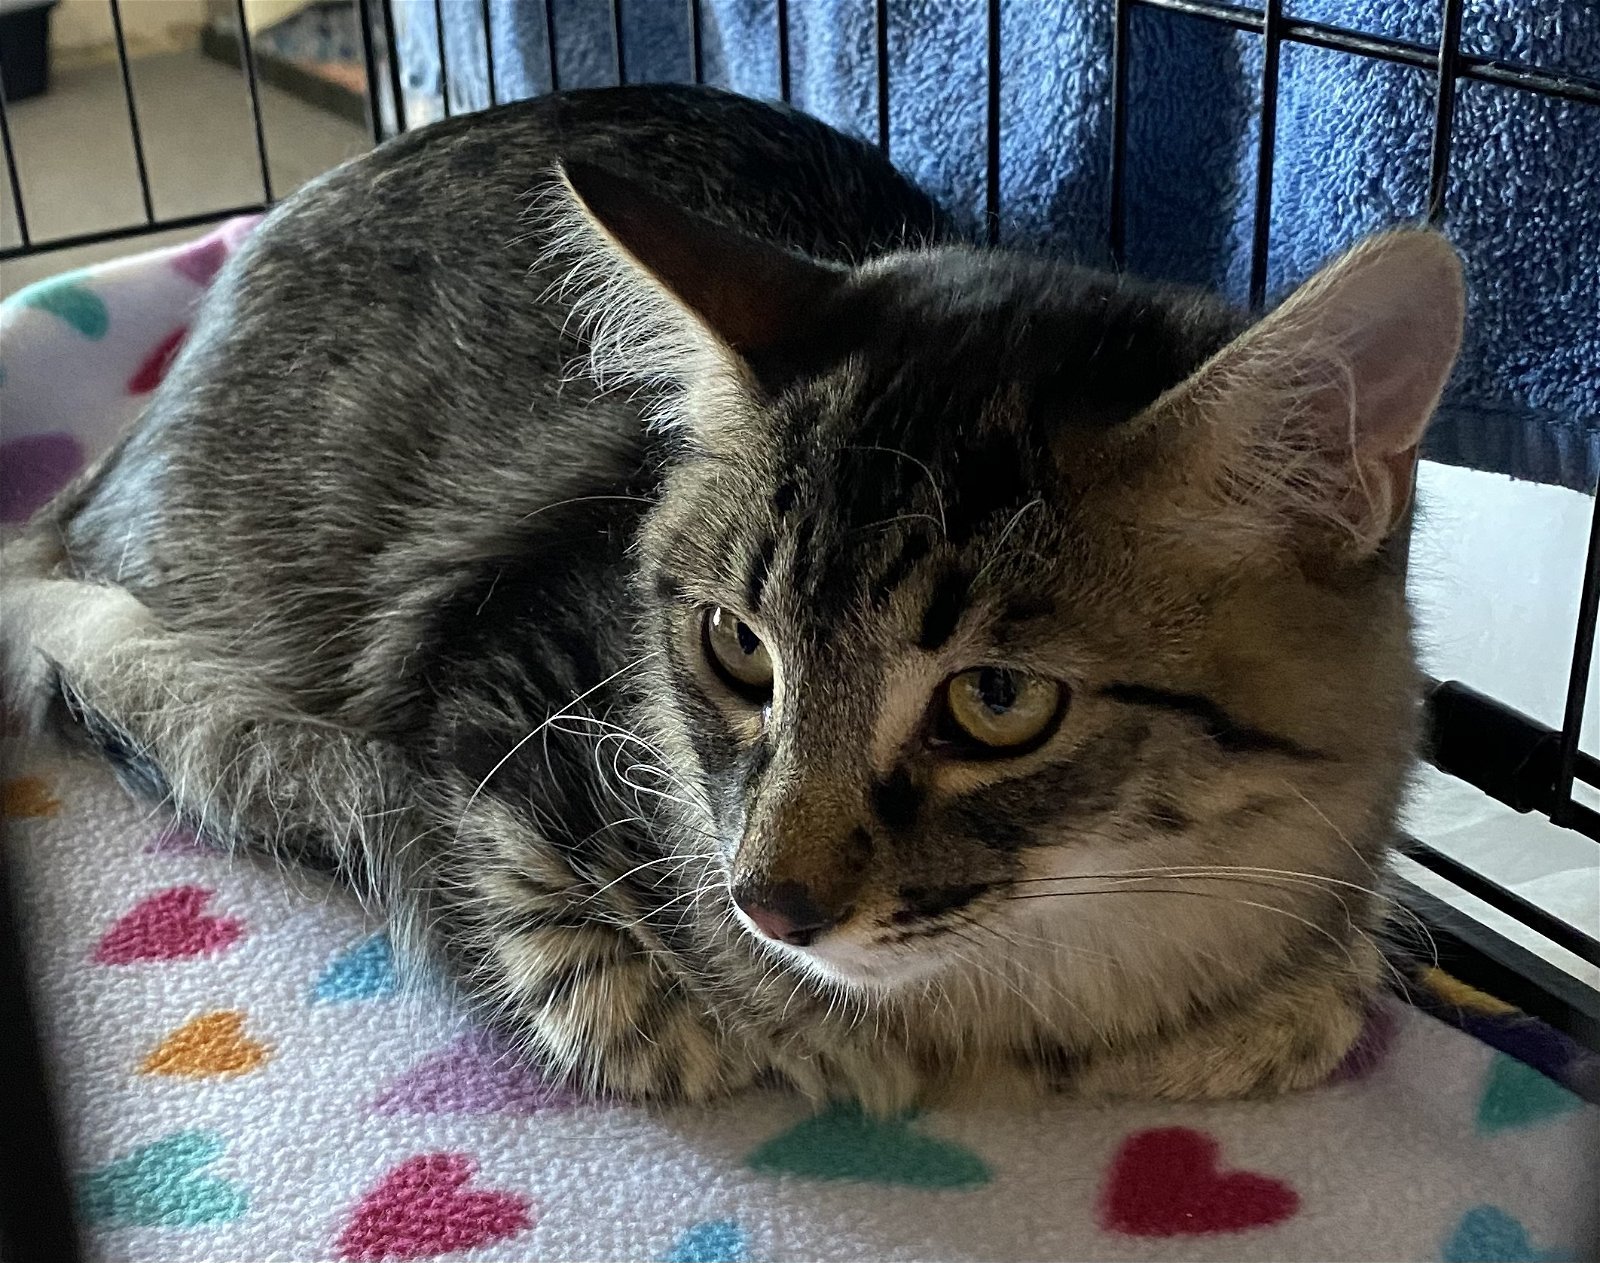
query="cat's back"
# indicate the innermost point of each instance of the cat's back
(387, 361)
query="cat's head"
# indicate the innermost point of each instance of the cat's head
(996, 603)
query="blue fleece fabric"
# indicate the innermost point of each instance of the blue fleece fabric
(1352, 152)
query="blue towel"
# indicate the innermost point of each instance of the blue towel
(655, 38)
(1523, 206)
(1352, 153)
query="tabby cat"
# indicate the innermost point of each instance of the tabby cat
(889, 668)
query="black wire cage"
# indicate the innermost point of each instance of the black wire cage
(1515, 759)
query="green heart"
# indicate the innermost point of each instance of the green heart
(845, 1144)
(157, 1186)
(1487, 1234)
(1517, 1095)
(65, 296)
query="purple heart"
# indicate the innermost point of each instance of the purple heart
(177, 839)
(476, 1074)
(32, 469)
(1370, 1049)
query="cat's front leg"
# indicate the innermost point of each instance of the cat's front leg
(559, 959)
(1290, 1036)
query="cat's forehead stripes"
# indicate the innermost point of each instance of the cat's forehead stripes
(946, 605)
(760, 569)
(915, 547)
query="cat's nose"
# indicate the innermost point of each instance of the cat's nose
(785, 910)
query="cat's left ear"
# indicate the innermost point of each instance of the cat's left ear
(668, 295)
(1312, 418)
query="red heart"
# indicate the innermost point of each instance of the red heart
(149, 374)
(168, 926)
(421, 1210)
(1165, 1183)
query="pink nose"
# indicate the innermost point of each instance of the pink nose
(785, 911)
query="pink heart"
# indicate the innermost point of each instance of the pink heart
(473, 1075)
(422, 1209)
(168, 926)
(1166, 1182)
(201, 260)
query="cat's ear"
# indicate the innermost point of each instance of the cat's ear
(665, 294)
(1314, 415)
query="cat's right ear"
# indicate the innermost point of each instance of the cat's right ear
(1310, 422)
(669, 296)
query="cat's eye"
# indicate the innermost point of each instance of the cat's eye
(999, 711)
(737, 655)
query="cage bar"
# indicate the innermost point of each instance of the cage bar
(1469, 950)
(488, 56)
(444, 56)
(252, 83)
(129, 231)
(1261, 227)
(13, 176)
(1444, 109)
(550, 44)
(1117, 229)
(1561, 84)
(783, 50)
(391, 52)
(369, 56)
(616, 42)
(880, 33)
(134, 133)
(1583, 647)
(697, 52)
(1510, 756)
(1562, 933)
(991, 184)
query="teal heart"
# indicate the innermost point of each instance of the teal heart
(845, 1144)
(365, 972)
(1517, 1095)
(66, 297)
(714, 1241)
(1486, 1234)
(159, 1186)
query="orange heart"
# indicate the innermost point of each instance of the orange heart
(212, 1044)
(27, 798)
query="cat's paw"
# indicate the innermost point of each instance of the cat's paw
(600, 1015)
(1286, 1043)
(56, 624)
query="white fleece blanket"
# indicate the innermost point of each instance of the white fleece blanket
(240, 1077)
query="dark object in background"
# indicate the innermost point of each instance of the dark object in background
(25, 49)
(36, 1220)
